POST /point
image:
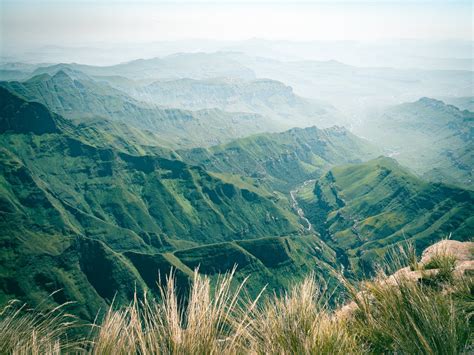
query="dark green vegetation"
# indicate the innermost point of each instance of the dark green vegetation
(428, 136)
(75, 95)
(97, 221)
(283, 160)
(361, 210)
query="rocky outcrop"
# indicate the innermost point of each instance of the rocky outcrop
(462, 254)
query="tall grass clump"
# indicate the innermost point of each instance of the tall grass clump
(299, 323)
(409, 317)
(400, 314)
(213, 321)
(444, 263)
(35, 331)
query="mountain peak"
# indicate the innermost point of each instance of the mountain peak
(39, 78)
(61, 73)
(429, 102)
(386, 161)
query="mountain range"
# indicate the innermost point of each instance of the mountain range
(112, 177)
(74, 95)
(85, 211)
(263, 96)
(179, 65)
(281, 161)
(352, 89)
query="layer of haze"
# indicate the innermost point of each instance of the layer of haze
(27, 26)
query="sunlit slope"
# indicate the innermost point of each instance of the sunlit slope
(283, 160)
(363, 209)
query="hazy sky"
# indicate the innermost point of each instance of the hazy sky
(79, 22)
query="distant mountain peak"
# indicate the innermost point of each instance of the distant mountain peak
(436, 105)
(39, 77)
(427, 101)
(337, 129)
(60, 71)
(61, 74)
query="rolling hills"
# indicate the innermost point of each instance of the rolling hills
(361, 210)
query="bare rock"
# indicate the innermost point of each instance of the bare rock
(464, 266)
(462, 251)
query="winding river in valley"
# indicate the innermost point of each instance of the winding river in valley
(297, 208)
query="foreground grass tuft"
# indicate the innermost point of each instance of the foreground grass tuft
(212, 322)
(300, 323)
(396, 315)
(33, 331)
(444, 263)
(411, 318)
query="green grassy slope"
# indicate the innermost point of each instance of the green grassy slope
(100, 182)
(98, 222)
(74, 95)
(283, 160)
(363, 209)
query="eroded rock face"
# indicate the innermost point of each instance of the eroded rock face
(463, 252)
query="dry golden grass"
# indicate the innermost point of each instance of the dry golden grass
(402, 317)
(300, 323)
(33, 331)
(212, 322)
(412, 318)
